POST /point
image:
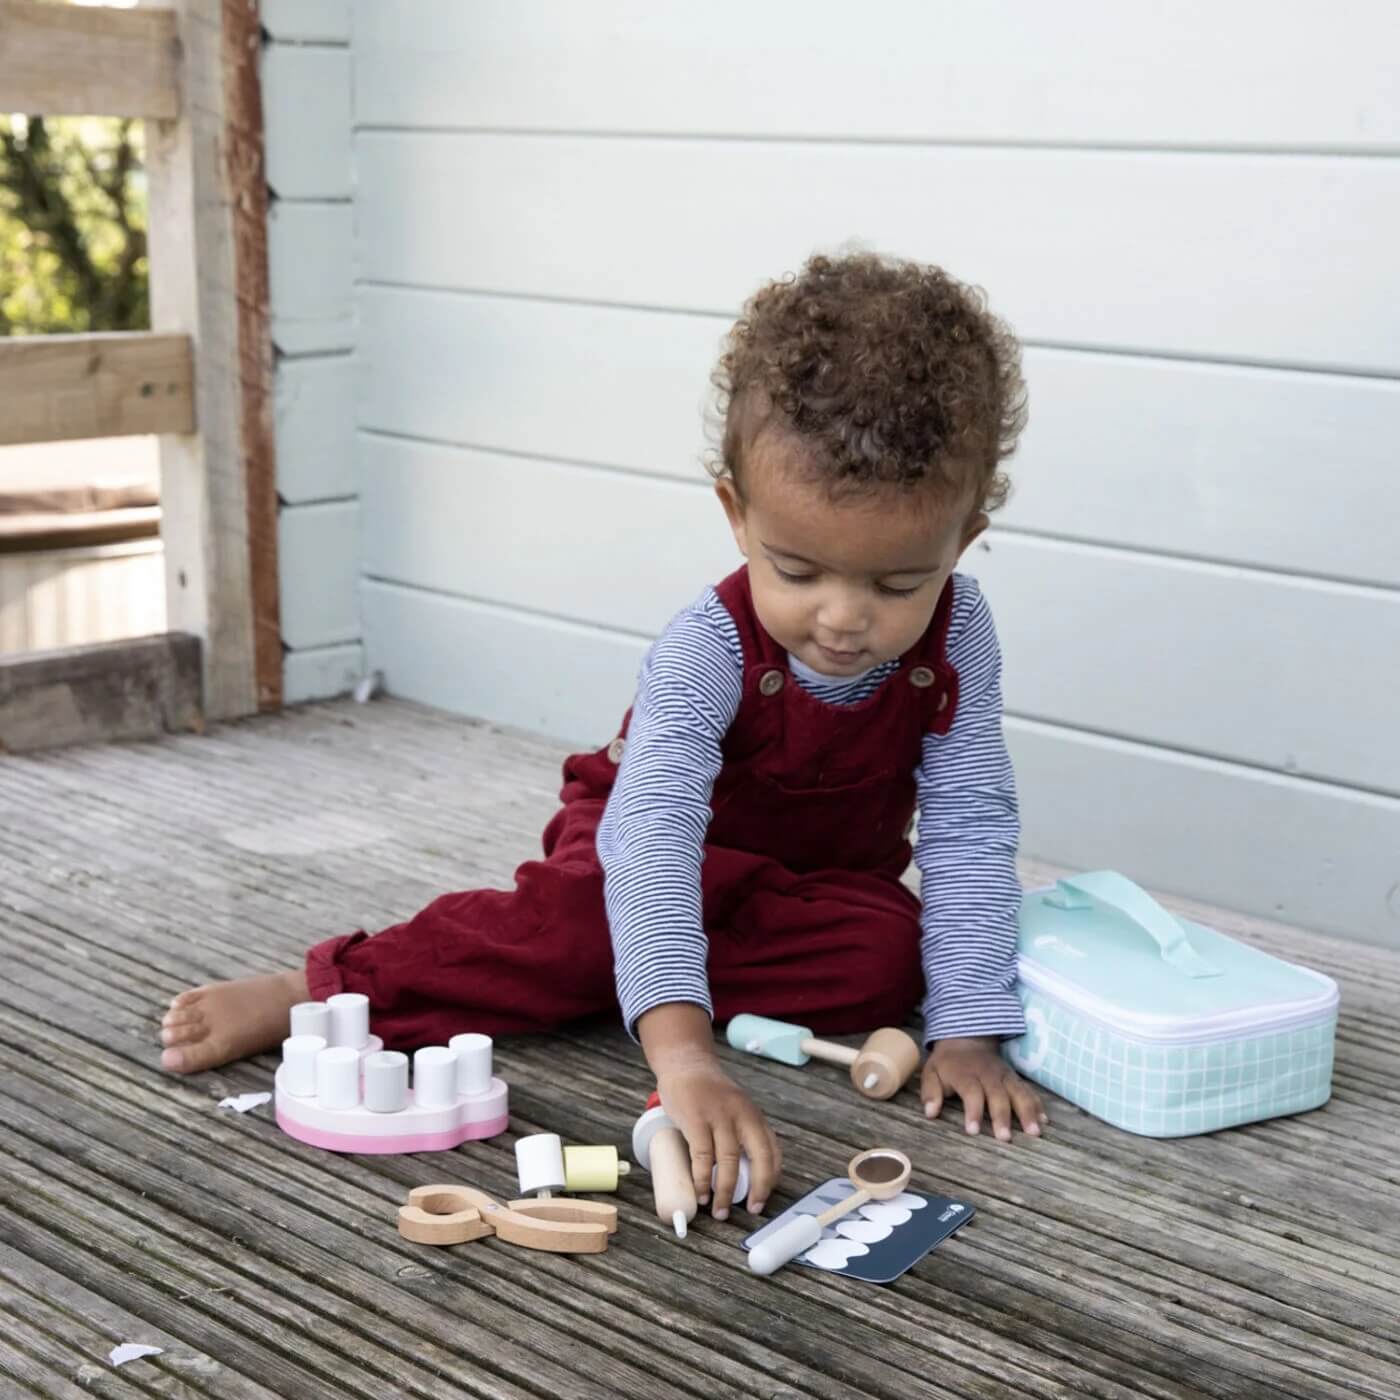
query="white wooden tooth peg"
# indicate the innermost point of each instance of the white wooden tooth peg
(386, 1081)
(338, 1077)
(349, 1013)
(473, 1053)
(434, 1076)
(312, 1018)
(299, 1063)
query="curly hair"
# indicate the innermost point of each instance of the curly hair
(889, 373)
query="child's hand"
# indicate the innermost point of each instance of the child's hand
(972, 1070)
(719, 1121)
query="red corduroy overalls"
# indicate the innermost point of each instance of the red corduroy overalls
(806, 917)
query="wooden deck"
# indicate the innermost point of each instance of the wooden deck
(1255, 1263)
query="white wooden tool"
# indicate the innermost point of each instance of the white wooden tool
(545, 1166)
(660, 1148)
(879, 1069)
(877, 1176)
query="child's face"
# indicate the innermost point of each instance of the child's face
(843, 584)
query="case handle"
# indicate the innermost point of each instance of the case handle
(1109, 890)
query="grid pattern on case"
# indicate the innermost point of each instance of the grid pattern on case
(1173, 1090)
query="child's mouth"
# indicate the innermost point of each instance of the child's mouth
(839, 658)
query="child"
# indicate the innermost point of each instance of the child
(739, 845)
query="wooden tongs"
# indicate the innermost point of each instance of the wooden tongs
(455, 1214)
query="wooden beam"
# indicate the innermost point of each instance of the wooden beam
(248, 201)
(57, 387)
(91, 694)
(199, 167)
(83, 60)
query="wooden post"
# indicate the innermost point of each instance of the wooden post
(208, 253)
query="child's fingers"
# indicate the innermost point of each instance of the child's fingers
(1028, 1106)
(727, 1163)
(765, 1159)
(702, 1158)
(999, 1110)
(974, 1101)
(933, 1093)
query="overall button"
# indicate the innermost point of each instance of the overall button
(921, 676)
(615, 750)
(771, 683)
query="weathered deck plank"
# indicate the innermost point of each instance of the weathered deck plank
(1260, 1262)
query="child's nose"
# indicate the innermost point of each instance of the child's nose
(842, 614)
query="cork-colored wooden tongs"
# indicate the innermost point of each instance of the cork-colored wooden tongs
(455, 1214)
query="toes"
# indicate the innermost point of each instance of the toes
(187, 1000)
(183, 1021)
(173, 1060)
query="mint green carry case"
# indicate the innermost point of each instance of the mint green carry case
(1159, 1025)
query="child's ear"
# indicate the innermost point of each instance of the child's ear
(975, 526)
(733, 505)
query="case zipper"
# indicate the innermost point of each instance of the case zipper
(1167, 1030)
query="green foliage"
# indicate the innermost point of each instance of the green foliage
(72, 225)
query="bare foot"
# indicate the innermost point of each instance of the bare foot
(208, 1026)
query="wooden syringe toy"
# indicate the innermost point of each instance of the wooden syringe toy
(660, 1148)
(338, 1088)
(879, 1069)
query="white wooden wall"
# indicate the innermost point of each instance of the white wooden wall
(1189, 213)
(307, 117)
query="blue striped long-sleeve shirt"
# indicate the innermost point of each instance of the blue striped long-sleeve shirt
(651, 840)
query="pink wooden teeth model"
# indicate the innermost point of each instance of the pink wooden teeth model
(338, 1088)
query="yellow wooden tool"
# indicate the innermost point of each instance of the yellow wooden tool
(452, 1214)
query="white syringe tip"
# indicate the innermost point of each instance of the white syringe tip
(679, 1221)
(871, 1080)
(754, 1047)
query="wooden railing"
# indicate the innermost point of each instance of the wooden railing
(202, 377)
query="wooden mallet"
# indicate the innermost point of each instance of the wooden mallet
(879, 1069)
(877, 1175)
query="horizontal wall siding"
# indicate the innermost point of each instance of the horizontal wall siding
(1183, 213)
(1286, 470)
(306, 111)
(306, 21)
(318, 566)
(542, 673)
(1192, 73)
(310, 258)
(1313, 854)
(315, 426)
(1098, 638)
(544, 536)
(1270, 259)
(1302, 852)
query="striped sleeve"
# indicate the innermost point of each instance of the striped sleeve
(652, 837)
(969, 829)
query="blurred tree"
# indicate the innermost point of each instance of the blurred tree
(72, 225)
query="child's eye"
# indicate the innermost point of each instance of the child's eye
(898, 592)
(792, 578)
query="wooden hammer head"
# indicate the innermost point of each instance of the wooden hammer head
(885, 1063)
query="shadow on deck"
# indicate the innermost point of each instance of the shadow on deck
(1259, 1262)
